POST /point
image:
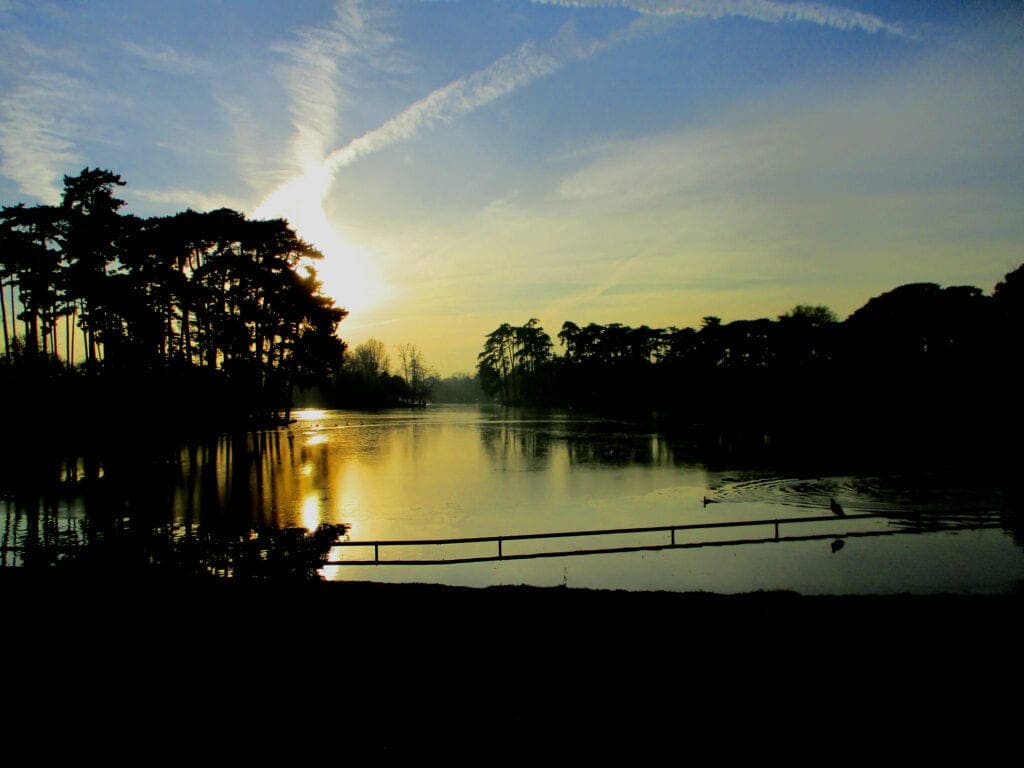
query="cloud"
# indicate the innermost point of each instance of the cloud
(192, 198)
(512, 71)
(37, 144)
(588, 294)
(161, 57)
(301, 199)
(322, 67)
(759, 10)
(531, 61)
(941, 125)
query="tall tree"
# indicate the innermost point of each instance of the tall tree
(91, 246)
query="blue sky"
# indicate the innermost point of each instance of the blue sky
(464, 164)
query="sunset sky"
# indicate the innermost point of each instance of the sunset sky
(464, 164)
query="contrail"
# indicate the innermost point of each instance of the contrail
(302, 197)
(759, 10)
(527, 63)
(317, 74)
(512, 71)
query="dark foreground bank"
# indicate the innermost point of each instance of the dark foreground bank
(512, 623)
(85, 603)
(428, 671)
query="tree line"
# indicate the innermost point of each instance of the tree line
(208, 315)
(932, 363)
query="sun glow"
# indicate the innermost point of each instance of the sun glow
(345, 270)
(311, 512)
(309, 414)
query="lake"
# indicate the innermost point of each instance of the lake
(466, 471)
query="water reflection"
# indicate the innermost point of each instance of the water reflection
(264, 502)
(222, 506)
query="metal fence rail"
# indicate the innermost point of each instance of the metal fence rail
(774, 523)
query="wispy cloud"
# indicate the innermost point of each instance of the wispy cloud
(196, 199)
(532, 61)
(760, 10)
(36, 133)
(910, 133)
(321, 68)
(586, 296)
(161, 57)
(301, 200)
(317, 93)
(512, 71)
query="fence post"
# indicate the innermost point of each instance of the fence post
(776, 530)
(499, 547)
(376, 553)
(673, 537)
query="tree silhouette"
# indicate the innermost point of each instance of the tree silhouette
(515, 362)
(209, 311)
(933, 368)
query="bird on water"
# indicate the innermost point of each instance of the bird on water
(836, 509)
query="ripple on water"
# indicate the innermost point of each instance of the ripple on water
(899, 496)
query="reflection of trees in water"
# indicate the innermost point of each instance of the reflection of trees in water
(508, 443)
(584, 442)
(1012, 518)
(621, 451)
(210, 506)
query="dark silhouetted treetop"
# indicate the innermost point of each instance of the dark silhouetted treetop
(195, 291)
(935, 360)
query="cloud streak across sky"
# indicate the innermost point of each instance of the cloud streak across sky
(758, 10)
(462, 164)
(524, 65)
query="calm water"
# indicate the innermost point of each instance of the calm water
(448, 472)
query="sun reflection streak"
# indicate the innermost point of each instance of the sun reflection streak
(311, 512)
(309, 414)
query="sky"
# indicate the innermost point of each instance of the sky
(465, 164)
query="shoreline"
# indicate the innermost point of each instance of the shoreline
(420, 668)
(372, 615)
(107, 585)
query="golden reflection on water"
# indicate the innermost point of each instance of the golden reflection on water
(311, 512)
(309, 414)
(446, 474)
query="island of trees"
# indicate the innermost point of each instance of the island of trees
(919, 369)
(185, 322)
(214, 320)
(205, 318)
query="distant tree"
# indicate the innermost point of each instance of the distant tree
(568, 338)
(806, 336)
(418, 377)
(1011, 287)
(514, 361)
(497, 362)
(92, 237)
(814, 316)
(370, 359)
(1008, 296)
(459, 388)
(10, 256)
